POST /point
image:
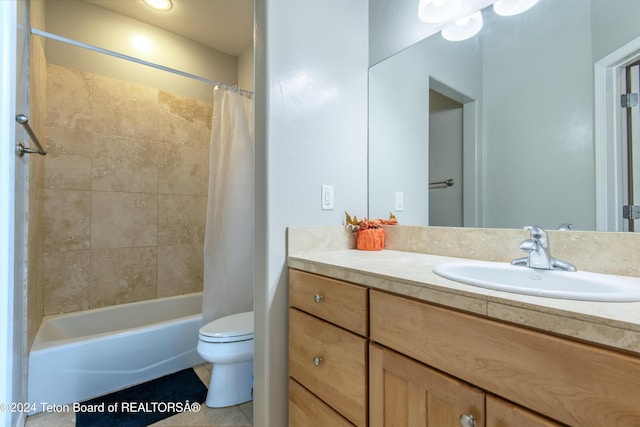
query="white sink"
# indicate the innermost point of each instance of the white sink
(577, 285)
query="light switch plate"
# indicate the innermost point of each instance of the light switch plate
(399, 201)
(327, 197)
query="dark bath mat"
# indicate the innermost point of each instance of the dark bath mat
(145, 403)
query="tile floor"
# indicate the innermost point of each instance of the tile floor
(240, 415)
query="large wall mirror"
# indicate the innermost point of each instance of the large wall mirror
(509, 116)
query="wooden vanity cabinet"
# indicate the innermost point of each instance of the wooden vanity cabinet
(568, 381)
(328, 351)
(360, 356)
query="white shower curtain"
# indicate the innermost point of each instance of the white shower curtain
(229, 234)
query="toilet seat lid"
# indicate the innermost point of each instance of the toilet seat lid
(235, 325)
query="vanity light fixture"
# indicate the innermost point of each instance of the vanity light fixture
(463, 28)
(432, 11)
(161, 5)
(512, 7)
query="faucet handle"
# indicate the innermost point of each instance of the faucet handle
(539, 234)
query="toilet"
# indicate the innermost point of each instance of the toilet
(227, 343)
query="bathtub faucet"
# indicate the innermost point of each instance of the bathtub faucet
(537, 246)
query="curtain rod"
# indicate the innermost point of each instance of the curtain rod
(52, 36)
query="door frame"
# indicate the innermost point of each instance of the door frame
(609, 134)
(8, 353)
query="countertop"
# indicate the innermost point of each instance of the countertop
(613, 324)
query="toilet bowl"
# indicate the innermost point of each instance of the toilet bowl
(227, 343)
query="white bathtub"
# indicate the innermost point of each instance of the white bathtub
(78, 356)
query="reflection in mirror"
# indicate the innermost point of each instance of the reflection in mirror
(526, 87)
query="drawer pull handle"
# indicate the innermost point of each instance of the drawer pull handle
(317, 361)
(467, 420)
(317, 298)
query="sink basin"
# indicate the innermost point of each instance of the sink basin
(578, 285)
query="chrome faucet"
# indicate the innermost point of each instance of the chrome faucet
(537, 246)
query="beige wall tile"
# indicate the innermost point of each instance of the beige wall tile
(123, 220)
(124, 164)
(66, 284)
(120, 276)
(125, 109)
(184, 121)
(69, 94)
(180, 269)
(181, 219)
(68, 159)
(183, 170)
(127, 170)
(67, 216)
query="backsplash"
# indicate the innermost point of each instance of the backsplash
(599, 252)
(126, 183)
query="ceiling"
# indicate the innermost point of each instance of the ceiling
(223, 25)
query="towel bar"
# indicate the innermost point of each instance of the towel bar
(21, 149)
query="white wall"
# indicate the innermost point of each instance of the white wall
(8, 25)
(537, 154)
(245, 69)
(311, 129)
(540, 141)
(394, 25)
(96, 26)
(399, 120)
(614, 23)
(13, 78)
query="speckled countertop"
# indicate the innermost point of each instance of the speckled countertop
(613, 324)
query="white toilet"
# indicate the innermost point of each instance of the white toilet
(228, 344)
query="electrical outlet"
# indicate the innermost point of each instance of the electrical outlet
(327, 197)
(399, 201)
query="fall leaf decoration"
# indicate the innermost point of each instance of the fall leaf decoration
(365, 223)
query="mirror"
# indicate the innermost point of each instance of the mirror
(525, 87)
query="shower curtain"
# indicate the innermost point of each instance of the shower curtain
(229, 232)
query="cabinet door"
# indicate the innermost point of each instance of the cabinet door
(403, 392)
(501, 413)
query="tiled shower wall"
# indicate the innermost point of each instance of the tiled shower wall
(35, 183)
(125, 192)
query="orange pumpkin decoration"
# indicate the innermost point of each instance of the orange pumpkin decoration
(370, 239)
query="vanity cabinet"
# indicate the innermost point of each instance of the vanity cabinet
(328, 351)
(568, 381)
(360, 356)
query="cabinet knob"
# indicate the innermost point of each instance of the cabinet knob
(317, 361)
(317, 298)
(467, 420)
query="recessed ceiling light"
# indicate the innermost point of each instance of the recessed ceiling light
(162, 5)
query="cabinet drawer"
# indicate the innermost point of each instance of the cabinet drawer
(331, 363)
(336, 301)
(575, 383)
(305, 409)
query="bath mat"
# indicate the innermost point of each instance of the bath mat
(145, 403)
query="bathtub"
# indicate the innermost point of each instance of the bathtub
(78, 356)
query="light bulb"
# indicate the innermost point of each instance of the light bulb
(162, 5)
(432, 11)
(463, 28)
(512, 7)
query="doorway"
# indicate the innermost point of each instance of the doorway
(631, 147)
(445, 160)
